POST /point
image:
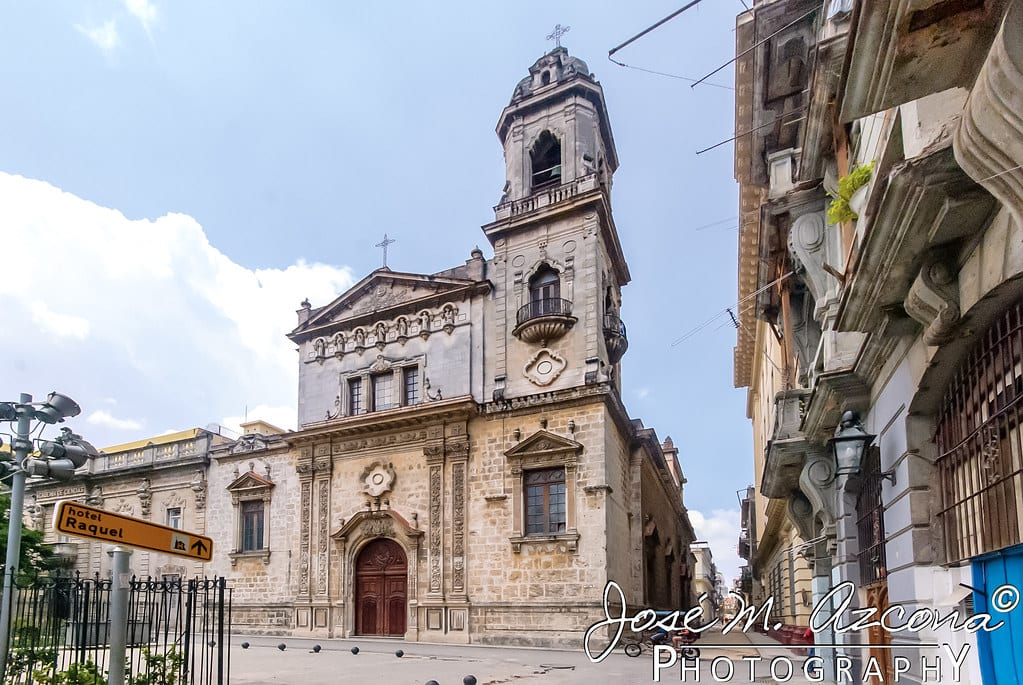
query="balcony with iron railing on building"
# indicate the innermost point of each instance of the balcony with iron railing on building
(547, 193)
(543, 319)
(615, 338)
(744, 545)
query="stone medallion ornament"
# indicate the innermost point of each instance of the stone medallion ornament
(544, 367)
(377, 479)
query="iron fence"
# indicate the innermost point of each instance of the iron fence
(178, 632)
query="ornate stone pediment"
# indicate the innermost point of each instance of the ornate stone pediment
(371, 524)
(248, 443)
(545, 443)
(250, 484)
(386, 294)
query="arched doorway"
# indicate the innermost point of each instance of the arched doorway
(381, 589)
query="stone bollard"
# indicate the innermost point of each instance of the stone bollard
(469, 680)
(245, 645)
(399, 654)
(355, 650)
(282, 646)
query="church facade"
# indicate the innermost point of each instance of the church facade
(464, 469)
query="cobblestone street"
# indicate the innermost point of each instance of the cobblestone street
(263, 663)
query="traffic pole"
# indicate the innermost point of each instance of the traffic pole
(119, 614)
(21, 447)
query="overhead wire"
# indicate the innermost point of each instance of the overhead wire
(647, 30)
(755, 46)
(724, 311)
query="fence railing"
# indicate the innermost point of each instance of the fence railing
(545, 306)
(178, 631)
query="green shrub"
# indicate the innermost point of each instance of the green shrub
(839, 209)
(75, 674)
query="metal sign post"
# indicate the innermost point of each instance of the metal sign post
(119, 614)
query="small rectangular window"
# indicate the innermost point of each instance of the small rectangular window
(545, 501)
(252, 526)
(383, 391)
(355, 396)
(411, 385)
(174, 517)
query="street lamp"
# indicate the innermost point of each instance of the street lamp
(61, 457)
(849, 444)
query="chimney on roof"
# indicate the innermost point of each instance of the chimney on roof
(305, 312)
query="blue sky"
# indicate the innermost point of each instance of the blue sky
(176, 177)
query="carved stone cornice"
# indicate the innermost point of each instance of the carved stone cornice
(928, 202)
(989, 140)
(401, 419)
(834, 393)
(904, 50)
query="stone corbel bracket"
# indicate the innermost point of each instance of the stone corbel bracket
(989, 141)
(816, 482)
(933, 299)
(810, 247)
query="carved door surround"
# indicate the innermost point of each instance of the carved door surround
(361, 530)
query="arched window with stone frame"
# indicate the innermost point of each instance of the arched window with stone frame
(545, 161)
(545, 292)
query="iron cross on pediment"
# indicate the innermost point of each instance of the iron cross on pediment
(384, 243)
(557, 33)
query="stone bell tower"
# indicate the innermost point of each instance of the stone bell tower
(558, 264)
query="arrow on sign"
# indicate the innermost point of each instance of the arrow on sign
(199, 548)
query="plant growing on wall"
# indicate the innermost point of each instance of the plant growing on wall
(839, 209)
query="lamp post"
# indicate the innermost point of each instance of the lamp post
(848, 448)
(62, 457)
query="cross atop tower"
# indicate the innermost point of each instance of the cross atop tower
(384, 243)
(557, 33)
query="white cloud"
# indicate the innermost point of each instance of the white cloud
(62, 325)
(642, 393)
(176, 331)
(103, 418)
(145, 12)
(104, 36)
(721, 530)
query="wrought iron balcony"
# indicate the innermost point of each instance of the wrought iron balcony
(543, 320)
(615, 338)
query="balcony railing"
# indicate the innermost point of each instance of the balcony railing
(543, 320)
(615, 337)
(547, 195)
(547, 306)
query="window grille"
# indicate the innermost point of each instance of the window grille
(978, 438)
(870, 524)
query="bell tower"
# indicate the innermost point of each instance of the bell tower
(558, 264)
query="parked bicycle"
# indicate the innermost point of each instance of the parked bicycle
(681, 640)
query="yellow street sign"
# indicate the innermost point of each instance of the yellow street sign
(72, 518)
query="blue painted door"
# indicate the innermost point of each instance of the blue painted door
(1001, 651)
